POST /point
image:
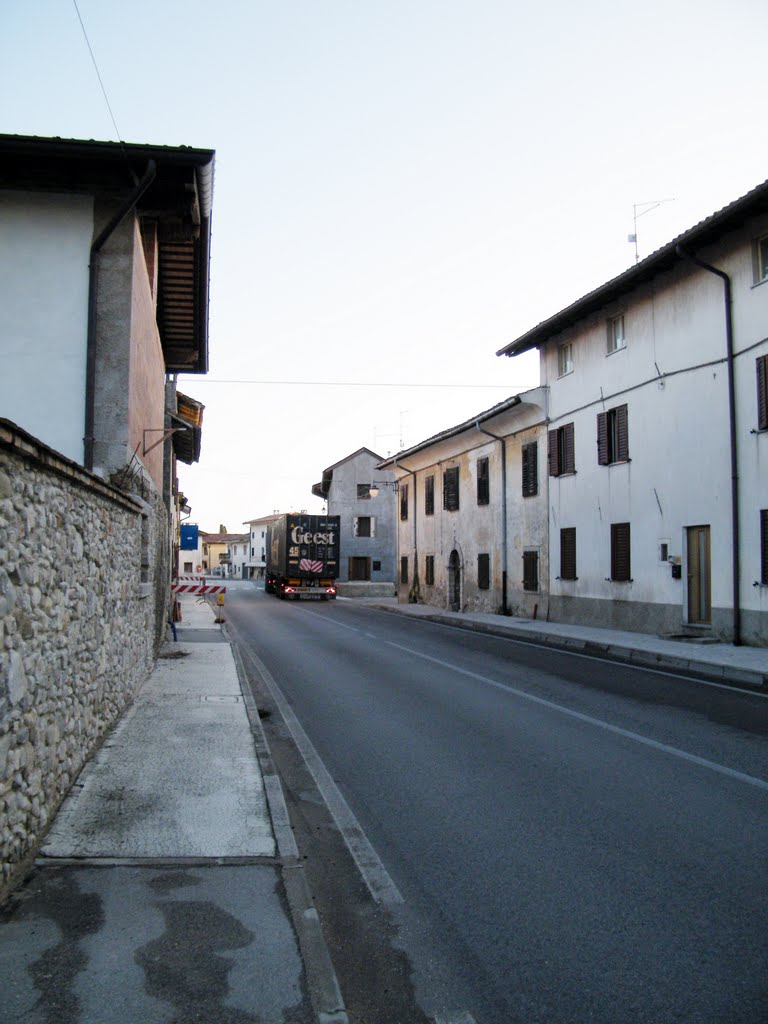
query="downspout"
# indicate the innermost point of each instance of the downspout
(504, 604)
(684, 254)
(413, 596)
(90, 363)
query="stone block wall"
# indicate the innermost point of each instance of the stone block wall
(79, 627)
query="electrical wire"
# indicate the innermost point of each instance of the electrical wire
(98, 75)
(356, 384)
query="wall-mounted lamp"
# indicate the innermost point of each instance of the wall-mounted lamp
(376, 486)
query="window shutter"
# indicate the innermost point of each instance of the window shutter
(530, 470)
(620, 562)
(429, 496)
(403, 501)
(622, 434)
(451, 489)
(530, 570)
(483, 482)
(569, 457)
(568, 553)
(602, 439)
(764, 546)
(552, 452)
(483, 572)
(762, 393)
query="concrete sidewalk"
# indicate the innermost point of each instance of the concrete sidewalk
(170, 887)
(716, 662)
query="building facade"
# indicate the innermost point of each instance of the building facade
(257, 545)
(364, 500)
(658, 437)
(471, 506)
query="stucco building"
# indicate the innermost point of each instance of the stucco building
(658, 437)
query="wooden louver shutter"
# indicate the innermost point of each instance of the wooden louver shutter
(552, 453)
(568, 553)
(762, 393)
(602, 439)
(530, 570)
(530, 470)
(429, 496)
(620, 563)
(451, 489)
(622, 434)
(403, 501)
(764, 546)
(569, 457)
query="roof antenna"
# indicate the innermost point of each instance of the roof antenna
(643, 208)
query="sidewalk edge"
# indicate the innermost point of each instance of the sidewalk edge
(322, 982)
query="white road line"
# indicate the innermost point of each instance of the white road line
(335, 622)
(375, 875)
(454, 1017)
(654, 744)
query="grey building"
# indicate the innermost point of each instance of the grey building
(364, 500)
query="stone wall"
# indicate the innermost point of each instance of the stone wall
(81, 611)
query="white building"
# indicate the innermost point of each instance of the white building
(472, 512)
(257, 545)
(658, 437)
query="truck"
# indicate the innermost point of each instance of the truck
(302, 557)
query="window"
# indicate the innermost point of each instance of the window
(530, 570)
(764, 546)
(429, 570)
(760, 257)
(429, 496)
(404, 569)
(187, 567)
(363, 492)
(762, 392)
(483, 572)
(568, 553)
(364, 526)
(564, 359)
(253, 552)
(530, 469)
(451, 489)
(620, 561)
(561, 451)
(403, 501)
(664, 551)
(612, 436)
(617, 340)
(483, 482)
(377, 566)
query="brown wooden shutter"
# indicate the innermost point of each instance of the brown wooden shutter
(403, 501)
(530, 570)
(451, 489)
(530, 469)
(762, 393)
(620, 551)
(552, 453)
(602, 439)
(568, 553)
(764, 546)
(569, 455)
(483, 572)
(483, 482)
(429, 496)
(622, 434)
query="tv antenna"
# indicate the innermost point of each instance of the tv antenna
(639, 210)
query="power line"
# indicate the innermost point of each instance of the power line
(98, 75)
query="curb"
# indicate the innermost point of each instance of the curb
(689, 667)
(322, 983)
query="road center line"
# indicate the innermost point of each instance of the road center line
(751, 780)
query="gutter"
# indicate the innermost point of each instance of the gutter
(503, 440)
(90, 362)
(736, 570)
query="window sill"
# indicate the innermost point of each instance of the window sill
(567, 579)
(609, 580)
(616, 462)
(757, 284)
(570, 473)
(615, 351)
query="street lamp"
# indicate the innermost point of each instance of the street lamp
(376, 486)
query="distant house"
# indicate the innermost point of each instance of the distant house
(238, 548)
(364, 500)
(257, 541)
(472, 512)
(657, 455)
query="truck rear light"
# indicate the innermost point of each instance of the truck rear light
(330, 590)
(290, 590)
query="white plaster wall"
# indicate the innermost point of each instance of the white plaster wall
(679, 473)
(44, 252)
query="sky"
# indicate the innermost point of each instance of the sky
(401, 189)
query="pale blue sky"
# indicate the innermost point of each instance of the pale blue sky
(401, 188)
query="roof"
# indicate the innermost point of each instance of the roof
(187, 442)
(223, 538)
(263, 519)
(178, 201)
(460, 428)
(707, 231)
(321, 489)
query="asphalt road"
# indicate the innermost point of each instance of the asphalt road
(559, 839)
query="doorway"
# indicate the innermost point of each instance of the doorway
(699, 576)
(454, 582)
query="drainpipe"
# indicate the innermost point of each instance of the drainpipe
(504, 605)
(684, 254)
(414, 592)
(90, 363)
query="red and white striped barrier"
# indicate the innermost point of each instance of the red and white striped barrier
(198, 588)
(185, 579)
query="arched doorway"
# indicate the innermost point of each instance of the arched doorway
(454, 581)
